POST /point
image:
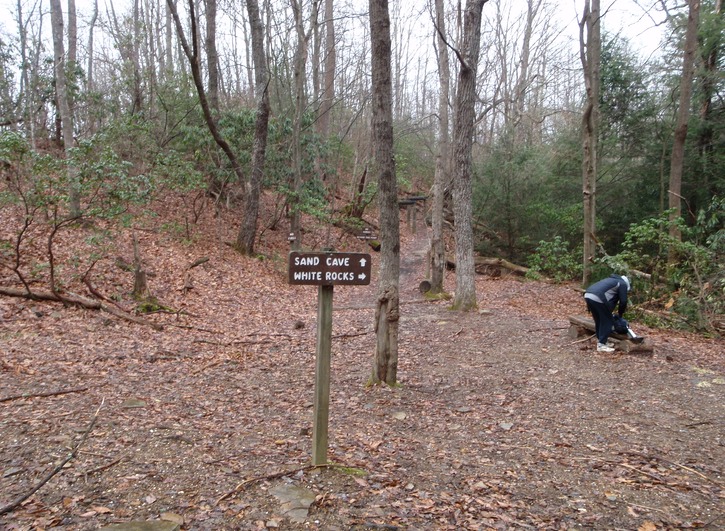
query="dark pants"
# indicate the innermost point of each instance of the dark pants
(603, 321)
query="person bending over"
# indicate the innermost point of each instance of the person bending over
(602, 298)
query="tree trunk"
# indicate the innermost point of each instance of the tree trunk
(91, 114)
(442, 177)
(387, 310)
(248, 230)
(328, 92)
(299, 81)
(212, 56)
(72, 34)
(677, 161)
(72, 50)
(169, 51)
(26, 90)
(590, 53)
(135, 44)
(63, 98)
(465, 298)
(706, 146)
(91, 27)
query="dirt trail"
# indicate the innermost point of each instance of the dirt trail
(500, 420)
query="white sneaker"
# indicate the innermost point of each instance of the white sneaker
(601, 347)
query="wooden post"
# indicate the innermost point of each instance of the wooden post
(322, 375)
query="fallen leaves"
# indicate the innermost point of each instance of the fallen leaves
(488, 429)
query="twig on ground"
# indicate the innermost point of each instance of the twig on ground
(104, 467)
(683, 467)
(582, 340)
(646, 508)
(48, 393)
(189, 327)
(276, 475)
(205, 367)
(257, 479)
(12, 505)
(345, 336)
(267, 334)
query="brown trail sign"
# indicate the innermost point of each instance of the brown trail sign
(326, 270)
(329, 269)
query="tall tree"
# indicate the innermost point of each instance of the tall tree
(677, 161)
(387, 310)
(212, 56)
(330, 64)
(441, 180)
(247, 232)
(72, 34)
(91, 27)
(300, 80)
(465, 109)
(26, 90)
(63, 100)
(90, 80)
(590, 49)
(711, 56)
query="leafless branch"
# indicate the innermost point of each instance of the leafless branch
(12, 505)
(49, 393)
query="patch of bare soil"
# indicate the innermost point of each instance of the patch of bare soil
(501, 420)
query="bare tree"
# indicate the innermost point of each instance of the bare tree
(169, 48)
(677, 161)
(711, 59)
(442, 176)
(212, 56)
(63, 100)
(300, 67)
(328, 92)
(90, 80)
(247, 232)
(590, 47)
(72, 34)
(91, 28)
(468, 55)
(387, 310)
(26, 87)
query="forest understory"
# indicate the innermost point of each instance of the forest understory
(500, 421)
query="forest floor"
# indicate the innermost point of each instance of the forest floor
(501, 421)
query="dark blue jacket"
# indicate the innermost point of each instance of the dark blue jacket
(611, 291)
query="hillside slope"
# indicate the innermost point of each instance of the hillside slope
(500, 421)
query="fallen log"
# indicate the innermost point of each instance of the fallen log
(580, 326)
(77, 300)
(482, 263)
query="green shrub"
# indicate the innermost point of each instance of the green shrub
(690, 271)
(555, 260)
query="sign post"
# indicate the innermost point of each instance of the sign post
(322, 375)
(326, 270)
